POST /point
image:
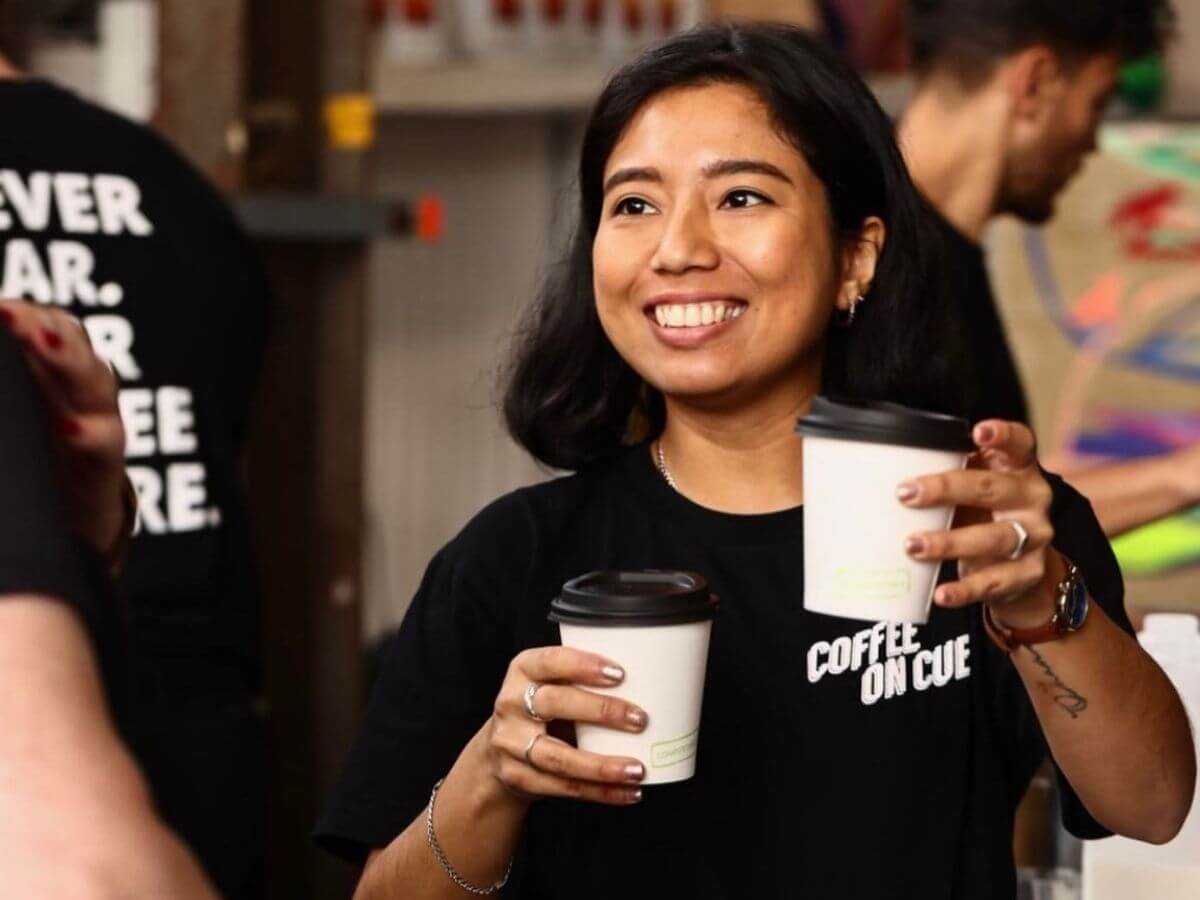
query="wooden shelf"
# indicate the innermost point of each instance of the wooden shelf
(521, 87)
(317, 218)
(465, 89)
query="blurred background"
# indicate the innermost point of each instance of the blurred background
(405, 168)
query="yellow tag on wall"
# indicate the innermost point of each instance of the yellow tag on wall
(350, 121)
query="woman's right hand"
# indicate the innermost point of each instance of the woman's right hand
(551, 767)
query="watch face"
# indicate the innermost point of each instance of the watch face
(1077, 604)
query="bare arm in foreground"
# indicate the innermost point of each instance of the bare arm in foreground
(76, 818)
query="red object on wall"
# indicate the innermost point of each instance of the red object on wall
(632, 14)
(418, 12)
(667, 15)
(507, 10)
(415, 12)
(430, 218)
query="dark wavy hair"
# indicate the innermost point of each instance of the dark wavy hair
(18, 18)
(14, 31)
(570, 398)
(967, 37)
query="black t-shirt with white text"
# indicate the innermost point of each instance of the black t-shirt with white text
(835, 759)
(100, 217)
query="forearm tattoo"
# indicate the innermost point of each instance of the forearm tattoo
(1073, 702)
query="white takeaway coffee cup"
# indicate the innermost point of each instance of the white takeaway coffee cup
(855, 456)
(656, 626)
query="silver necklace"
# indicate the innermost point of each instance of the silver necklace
(662, 467)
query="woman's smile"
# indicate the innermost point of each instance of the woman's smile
(683, 321)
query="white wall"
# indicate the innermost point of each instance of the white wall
(440, 319)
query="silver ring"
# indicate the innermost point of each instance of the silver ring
(529, 749)
(1022, 539)
(529, 710)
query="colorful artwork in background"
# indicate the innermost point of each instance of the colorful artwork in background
(1173, 542)
(1143, 313)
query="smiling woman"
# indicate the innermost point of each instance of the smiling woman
(741, 198)
(703, 226)
(783, 179)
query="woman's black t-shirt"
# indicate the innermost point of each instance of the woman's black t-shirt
(835, 759)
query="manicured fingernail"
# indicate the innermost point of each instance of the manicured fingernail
(942, 597)
(985, 433)
(636, 796)
(914, 545)
(907, 492)
(53, 341)
(69, 428)
(636, 717)
(613, 673)
(635, 771)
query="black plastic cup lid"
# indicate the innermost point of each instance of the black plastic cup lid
(634, 599)
(885, 423)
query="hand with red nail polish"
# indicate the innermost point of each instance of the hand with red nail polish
(80, 390)
(69, 428)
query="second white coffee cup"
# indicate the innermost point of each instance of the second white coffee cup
(656, 626)
(855, 457)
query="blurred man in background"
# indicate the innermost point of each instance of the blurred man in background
(1009, 99)
(101, 218)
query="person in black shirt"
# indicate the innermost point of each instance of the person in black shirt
(740, 190)
(75, 815)
(101, 217)
(1009, 99)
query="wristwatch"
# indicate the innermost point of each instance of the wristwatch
(1070, 612)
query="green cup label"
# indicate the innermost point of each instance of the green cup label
(871, 584)
(674, 751)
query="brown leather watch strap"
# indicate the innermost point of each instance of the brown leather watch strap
(1009, 639)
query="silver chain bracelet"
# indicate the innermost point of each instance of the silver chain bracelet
(445, 863)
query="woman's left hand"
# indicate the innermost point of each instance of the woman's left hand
(1001, 488)
(80, 391)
